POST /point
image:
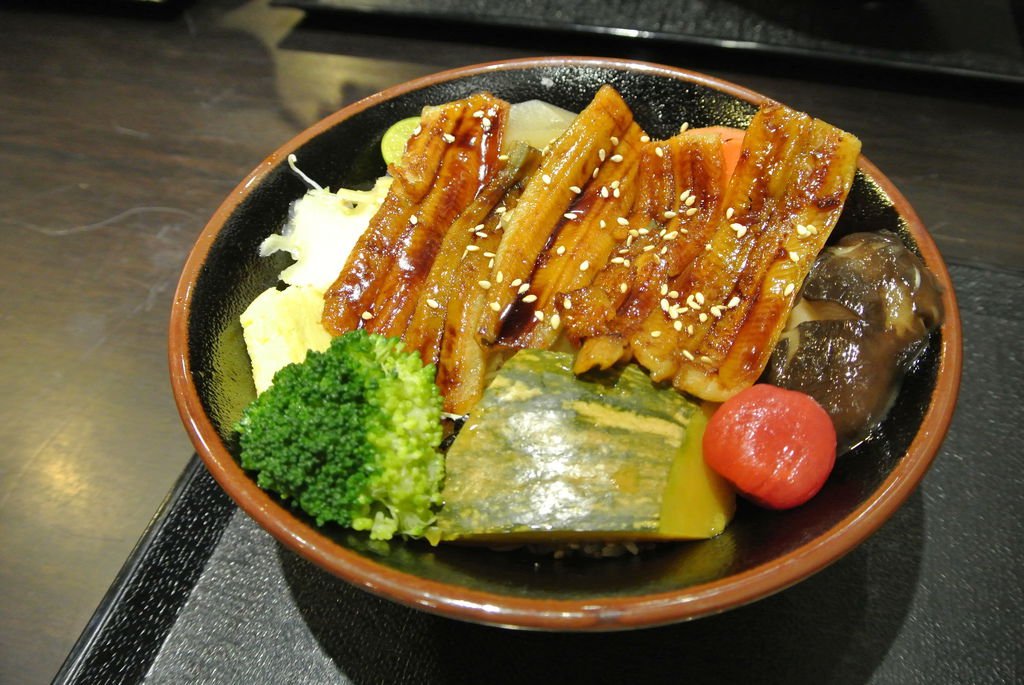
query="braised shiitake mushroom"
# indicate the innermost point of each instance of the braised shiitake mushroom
(865, 314)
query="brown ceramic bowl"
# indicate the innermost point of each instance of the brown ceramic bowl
(760, 553)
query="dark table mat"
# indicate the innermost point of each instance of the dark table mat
(946, 36)
(935, 596)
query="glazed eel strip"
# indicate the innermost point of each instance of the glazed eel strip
(578, 249)
(780, 206)
(454, 297)
(680, 186)
(568, 164)
(445, 165)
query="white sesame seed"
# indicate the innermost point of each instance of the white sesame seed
(489, 255)
(495, 306)
(584, 265)
(616, 158)
(516, 283)
(486, 285)
(789, 289)
(664, 304)
(740, 229)
(623, 287)
(601, 154)
(594, 173)
(576, 189)
(794, 256)
(615, 140)
(366, 316)
(530, 298)
(669, 214)
(569, 215)
(499, 277)
(616, 260)
(616, 193)
(729, 212)
(479, 114)
(616, 184)
(478, 227)
(691, 211)
(567, 303)
(448, 138)
(690, 200)
(648, 248)
(674, 294)
(547, 179)
(686, 125)
(703, 317)
(645, 138)
(643, 231)
(688, 355)
(472, 248)
(692, 303)
(685, 194)
(500, 210)
(802, 231)
(414, 220)
(503, 158)
(622, 221)
(433, 304)
(671, 235)
(678, 325)
(555, 320)
(734, 302)
(523, 288)
(689, 329)
(716, 311)
(655, 334)
(416, 131)
(480, 234)
(664, 289)
(490, 264)
(626, 263)
(699, 296)
(604, 191)
(602, 223)
(560, 250)
(486, 124)
(539, 315)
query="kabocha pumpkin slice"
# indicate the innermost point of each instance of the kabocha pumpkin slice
(547, 457)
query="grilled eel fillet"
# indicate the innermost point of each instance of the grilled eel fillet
(444, 168)
(579, 247)
(570, 163)
(454, 297)
(680, 185)
(780, 206)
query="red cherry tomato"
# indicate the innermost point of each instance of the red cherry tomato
(776, 446)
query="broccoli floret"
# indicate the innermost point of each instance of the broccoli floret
(351, 435)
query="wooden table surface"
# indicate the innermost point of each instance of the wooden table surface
(120, 133)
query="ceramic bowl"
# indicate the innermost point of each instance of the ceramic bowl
(760, 553)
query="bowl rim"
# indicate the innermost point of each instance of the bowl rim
(592, 613)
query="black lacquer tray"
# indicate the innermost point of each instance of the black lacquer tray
(933, 597)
